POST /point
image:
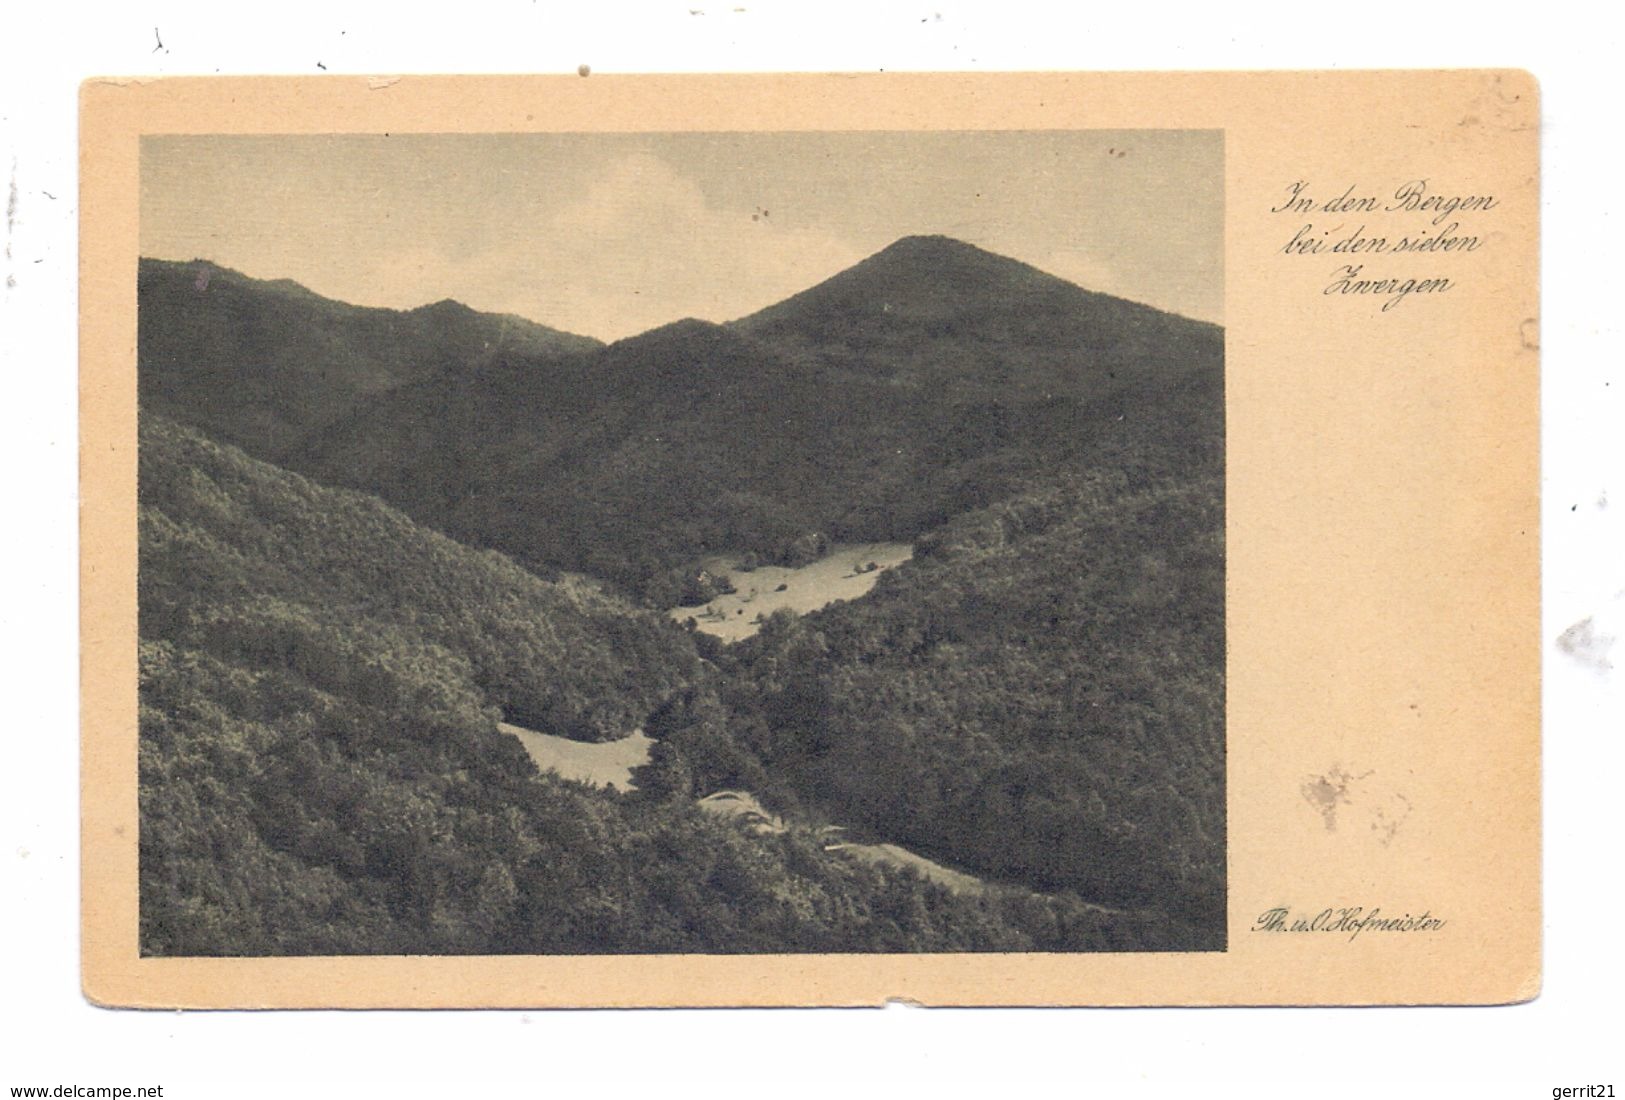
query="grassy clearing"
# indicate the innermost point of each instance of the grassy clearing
(603, 764)
(842, 574)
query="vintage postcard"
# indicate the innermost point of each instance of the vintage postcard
(1046, 539)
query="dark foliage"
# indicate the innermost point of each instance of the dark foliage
(930, 380)
(229, 546)
(321, 771)
(1037, 698)
(264, 364)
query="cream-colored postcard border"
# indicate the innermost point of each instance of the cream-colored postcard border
(1382, 539)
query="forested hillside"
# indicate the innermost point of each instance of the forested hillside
(321, 771)
(1034, 701)
(932, 379)
(1038, 697)
(240, 557)
(263, 364)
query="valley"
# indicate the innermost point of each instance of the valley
(409, 577)
(846, 572)
(610, 764)
(601, 764)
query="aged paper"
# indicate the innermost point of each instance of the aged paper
(1177, 646)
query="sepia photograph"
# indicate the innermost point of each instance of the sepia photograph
(805, 549)
(682, 543)
(768, 540)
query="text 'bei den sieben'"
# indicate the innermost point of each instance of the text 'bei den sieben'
(1413, 220)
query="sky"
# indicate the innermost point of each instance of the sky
(608, 235)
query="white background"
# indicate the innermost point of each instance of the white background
(51, 1036)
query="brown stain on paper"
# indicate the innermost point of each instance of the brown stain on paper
(1327, 792)
(1383, 811)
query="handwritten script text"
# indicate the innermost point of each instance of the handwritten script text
(1413, 219)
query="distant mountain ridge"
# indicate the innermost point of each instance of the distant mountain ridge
(932, 277)
(263, 363)
(1036, 696)
(920, 292)
(929, 379)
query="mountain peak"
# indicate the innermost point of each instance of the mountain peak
(927, 279)
(687, 340)
(445, 307)
(929, 245)
(940, 262)
(685, 330)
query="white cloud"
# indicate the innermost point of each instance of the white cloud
(643, 247)
(640, 248)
